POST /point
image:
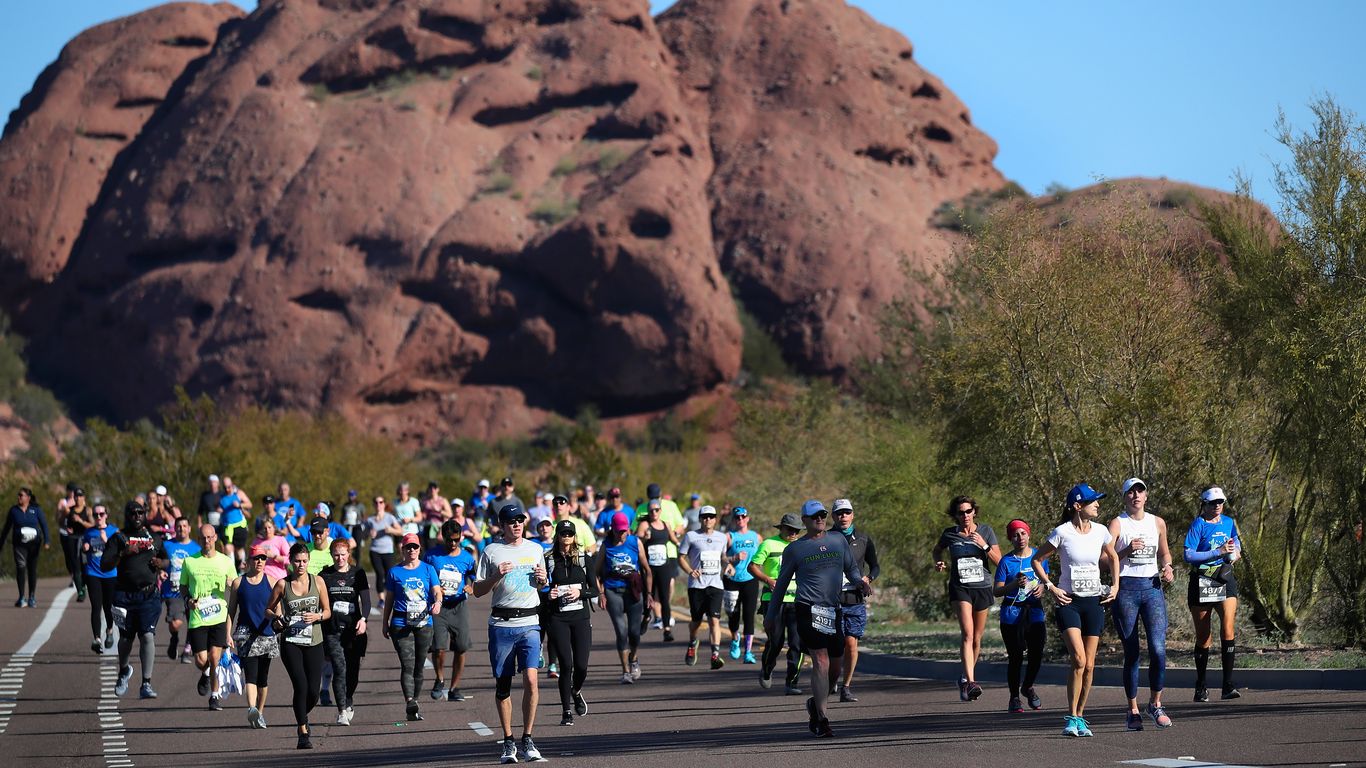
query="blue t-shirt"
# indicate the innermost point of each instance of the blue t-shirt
(1206, 536)
(604, 519)
(176, 554)
(92, 558)
(232, 512)
(749, 544)
(546, 545)
(286, 512)
(1011, 606)
(619, 561)
(412, 590)
(453, 573)
(334, 531)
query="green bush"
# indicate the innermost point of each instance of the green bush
(497, 183)
(553, 212)
(565, 166)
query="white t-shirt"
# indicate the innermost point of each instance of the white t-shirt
(1079, 557)
(706, 556)
(514, 590)
(407, 512)
(1143, 562)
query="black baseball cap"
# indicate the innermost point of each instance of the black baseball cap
(652, 490)
(509, 512)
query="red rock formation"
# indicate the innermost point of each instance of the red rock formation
(85, 108)
(833, 149)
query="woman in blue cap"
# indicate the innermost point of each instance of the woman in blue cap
(1081, 543)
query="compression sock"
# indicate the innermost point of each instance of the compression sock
(1227, 658)
(749, 643)
(147, 653)
(1201, 665)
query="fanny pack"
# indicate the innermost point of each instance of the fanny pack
(504, 614)
(851, 597)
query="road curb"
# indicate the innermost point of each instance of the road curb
(879, 663)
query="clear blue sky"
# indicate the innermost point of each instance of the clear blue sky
(1070, 90)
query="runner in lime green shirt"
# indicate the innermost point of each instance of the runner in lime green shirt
(204, 580)
(765, 565)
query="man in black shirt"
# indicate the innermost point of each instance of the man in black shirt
(139, 554)
(209, 511)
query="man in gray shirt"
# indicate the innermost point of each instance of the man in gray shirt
(702, 556)
(820, 563)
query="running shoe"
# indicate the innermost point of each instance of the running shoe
(735, 649)
(438, 690)
(252, 717)
(325, 697)
(109, 639)
(454, 694)
(414, 713)
(1015, 705)
(765, 681)
(509, 750)
(186, 654)
(690, 656)
(626, 678)
(350, 715)
(847, 695)
(96, 647)
(203, 686)
(669, 635)
(1159, 716)
(813, 719)
(974, 691)
(716, 661)
(121, 687)
(553, 671)
(792, 690)
(644, 624)
(1230, 693)
(261, 719)
(32, 602)
(1033, 698)
(823, 729)
(567, 718)
(80, 596)
(304, 742)
(749, 658)
(215, 704)
(1133, 722)
(146, 692)
(963, 688)
(657, 624)
(580, 704)
(1201, 694)
(635, 670)
(342, 719)
(1070, 729)
(1083, 727)
(171, 649)
(529, 750)
(540, 662)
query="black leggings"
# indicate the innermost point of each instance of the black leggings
(101, 603)
(785, 627)
(304, 664)
(1023, 638)
(381, 562)
(26, 564)
(256, 671)
(662, 587)
(572, 641)
(71, 552)
(745, 606)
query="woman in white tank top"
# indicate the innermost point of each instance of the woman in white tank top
(1145, 565)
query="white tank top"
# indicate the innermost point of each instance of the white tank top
(1143, 562)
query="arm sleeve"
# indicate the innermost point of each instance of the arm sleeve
(1195, 557)
(363, 590)
(870, 557)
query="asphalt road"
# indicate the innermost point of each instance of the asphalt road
(63, 713)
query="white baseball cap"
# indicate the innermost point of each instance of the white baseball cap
(161, 490)
(213, 478)
(483, 483)
(1130, 483)
(1214, 493)
(842, 504)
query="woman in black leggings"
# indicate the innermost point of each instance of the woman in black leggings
(657, 536)
(253, 636)
(570, 626)
(1022, 616)
(29, 538)
(99, 583)
(298, 605)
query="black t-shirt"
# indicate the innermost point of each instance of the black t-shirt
(568, 571)
(208, 502)
(349, 595)
(133, 553)
(969, 565)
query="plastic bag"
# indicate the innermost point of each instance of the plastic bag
(229, 674)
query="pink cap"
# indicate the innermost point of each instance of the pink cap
(620, 523)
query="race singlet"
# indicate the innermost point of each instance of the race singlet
(1085, 579)
(823, 619)
(971, 570)
(711, 562)
(657, 555)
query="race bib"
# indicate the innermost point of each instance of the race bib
(823, 619)
(656, 555)
(1211, 590)
(27, 534)
(215, 518)
(711, 563)
(121, 618)
(417, 606)
(1145, 556)
(572, 605)
(971, 570)
(342, 608)
(450, 583)
(208, 607)
(1085, 579)
(299, 632)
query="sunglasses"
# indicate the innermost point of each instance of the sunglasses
(969, 511)
(570, 533)
(1214, 502)
(819, 516)
(843, 512)
(379, 502)
(519, 520)
(706, 517)
(412, 546)
(560, 502)
(260, 557)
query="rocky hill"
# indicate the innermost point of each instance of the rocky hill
(453, 216)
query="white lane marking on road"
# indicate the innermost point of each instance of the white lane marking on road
(1183, 761)
(12, 677)
(115, 746)
(481, 729)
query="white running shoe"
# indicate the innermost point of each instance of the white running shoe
(529, 750)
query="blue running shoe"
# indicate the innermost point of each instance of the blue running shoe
(735, 649)
(1070, 729)
(1083, 727)
(1159, 716)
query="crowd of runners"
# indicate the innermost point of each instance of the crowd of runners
(276, 579)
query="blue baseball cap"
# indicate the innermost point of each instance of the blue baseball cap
(811, 507)
(509, 512)
(1083, 493)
